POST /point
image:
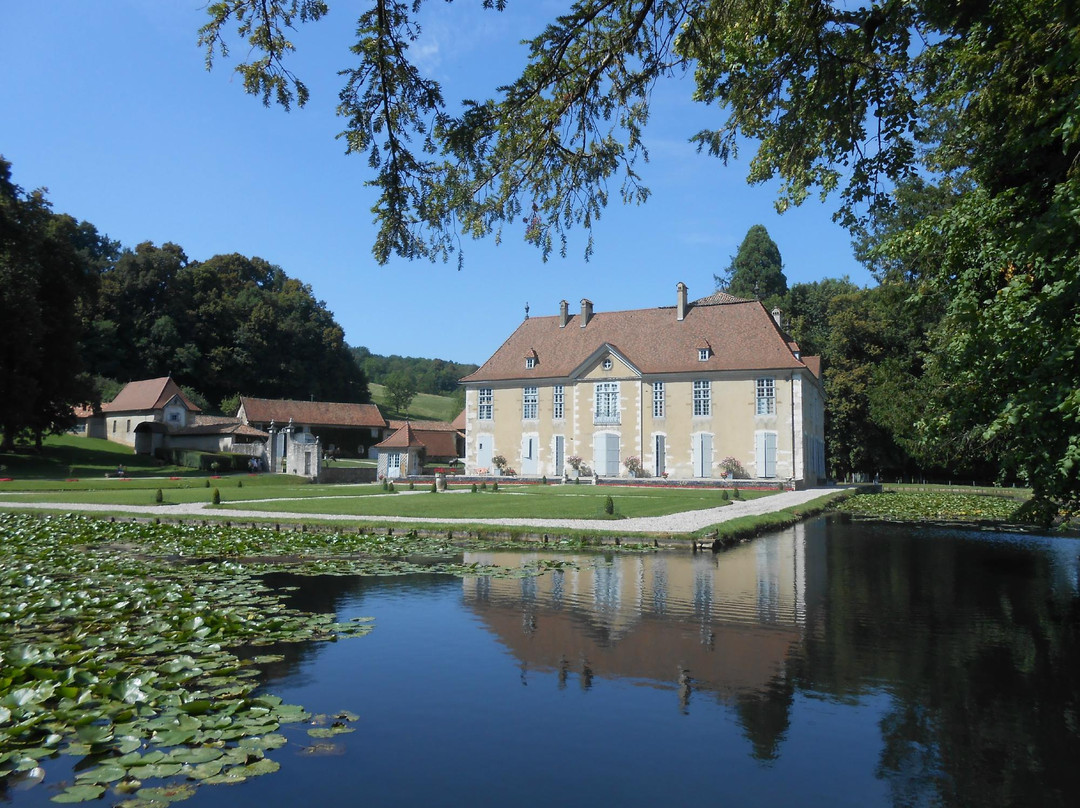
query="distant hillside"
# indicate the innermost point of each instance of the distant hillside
(425, 407)
(435, 376)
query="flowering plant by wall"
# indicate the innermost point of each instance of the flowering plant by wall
(729, 465)
(633, 465)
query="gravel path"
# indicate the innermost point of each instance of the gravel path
(685, 522)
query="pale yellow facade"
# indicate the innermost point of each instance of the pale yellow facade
(610, 412)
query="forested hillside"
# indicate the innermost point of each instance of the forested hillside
(436, 376)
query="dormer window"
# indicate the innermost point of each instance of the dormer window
(703, 354)
(530, 362)
(607, 364)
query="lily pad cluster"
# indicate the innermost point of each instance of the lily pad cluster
(122, 659)
(117, 638)
(932, 505)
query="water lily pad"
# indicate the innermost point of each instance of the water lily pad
(79, 793)
(264, 766)
(329, 732)
(170, 793)
(106, 773)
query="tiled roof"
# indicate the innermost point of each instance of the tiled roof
(437, 443)
(427, 426)
(311, 413)
(403, 438)
(459, 422)
(149, 394)
(742, 335)
(219, 425)
(719, 298)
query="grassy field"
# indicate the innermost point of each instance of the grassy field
(425, 406)
(71, 456)
(273, 494)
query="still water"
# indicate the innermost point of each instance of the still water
(833, 664)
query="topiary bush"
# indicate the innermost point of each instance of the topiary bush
(216, 497)
(158, 496)
(609, 505)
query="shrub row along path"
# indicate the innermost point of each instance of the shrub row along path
(684, 522)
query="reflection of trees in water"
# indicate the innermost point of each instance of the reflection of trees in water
(976, 642)
(765, 715)
(323, 594)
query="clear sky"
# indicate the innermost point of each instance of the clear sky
(108, 105)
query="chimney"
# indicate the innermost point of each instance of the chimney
(777, 315)
(681, 289)
(564, 313)
(586, 311)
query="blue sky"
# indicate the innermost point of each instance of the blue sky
(108, 105)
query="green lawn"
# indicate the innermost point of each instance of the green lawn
(425, 406)
(71, 456)
(280, 494)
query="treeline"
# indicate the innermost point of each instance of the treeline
(435, 376)
(874, 344)
(82, 314)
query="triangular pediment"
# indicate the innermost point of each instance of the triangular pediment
(620, 364)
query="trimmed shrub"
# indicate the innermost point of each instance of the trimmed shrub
(483, 486)
(158, 496)
(494, 487)
(216, 497)
(239, 483)
(412, 485)
(474, 489)
(434, 488)
(736, 495)
(391, 488)
(609, 505)
(724, 495)
(206, 483)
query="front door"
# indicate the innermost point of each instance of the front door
(528, 455)
(393, 464)
(560, 454)
(703, 455)
(606, 451)
(483, 453)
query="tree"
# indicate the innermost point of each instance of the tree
(45, 285)
(756, 271)
(980, 98)
(400, 391)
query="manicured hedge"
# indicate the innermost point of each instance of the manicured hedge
(193, 459)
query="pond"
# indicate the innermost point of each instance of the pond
(837, 663)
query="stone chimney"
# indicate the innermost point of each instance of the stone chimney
(586, 311)
(778, 316)
(682, 305)
(564, 313)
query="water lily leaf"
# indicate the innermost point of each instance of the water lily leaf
(225, 778)
(106, 773)
(198, 754)
(272, 741)
(205, 770)
(329, 732)
(171, 793)
(264, 766)
(197, 706)
(155, 770)
(79, 793)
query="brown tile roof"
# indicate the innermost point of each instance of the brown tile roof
(428, 426)
(149, 394)
(437, 443)
(312, 413)
(742, 336)
(719, 298)
(814, 363)
(403, 438)
(219, 425)
(459, 422)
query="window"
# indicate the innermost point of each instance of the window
(703, 354)
(658, 400)
(607, 403)
(766, 396)
(606, 364)
(485, 410)
(530, 362)
(558, 402)
(528, 404)
(702, 397)
(174, 417)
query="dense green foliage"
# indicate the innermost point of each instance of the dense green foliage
(756, 271)
(47, 281)
(924, 506)
(435, 376)
(82, 316)
(226, 325)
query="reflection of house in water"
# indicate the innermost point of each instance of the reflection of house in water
(725, 623)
